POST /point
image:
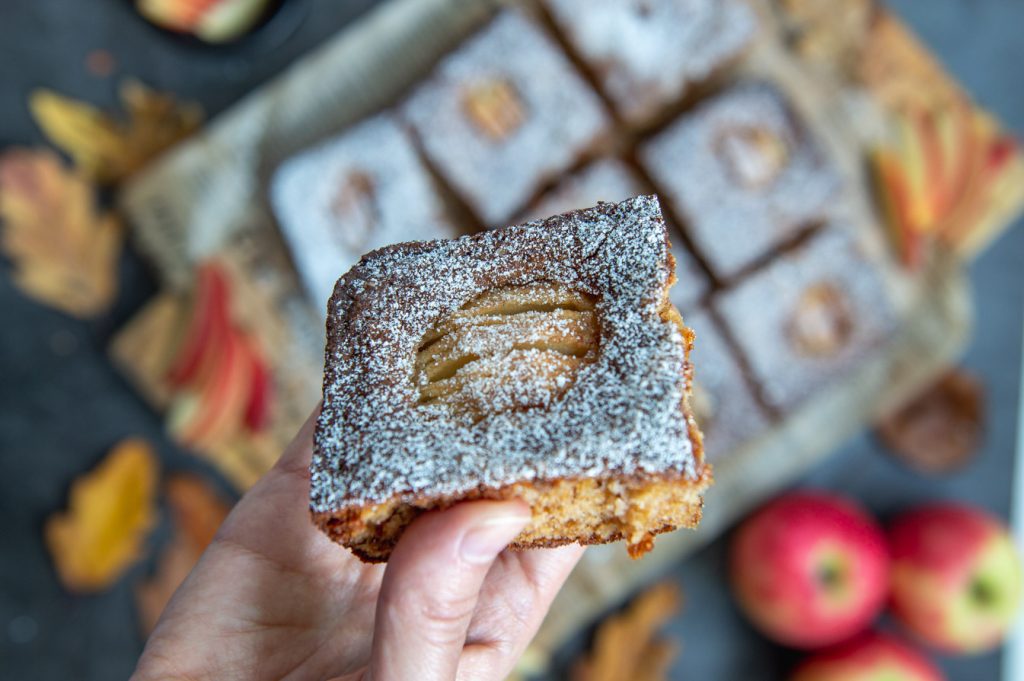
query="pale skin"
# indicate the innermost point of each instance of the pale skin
(273, 598)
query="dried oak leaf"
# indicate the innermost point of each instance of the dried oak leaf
(111, 509)
(197, 512)
(105, 148)
(625, 647)
(64, 251)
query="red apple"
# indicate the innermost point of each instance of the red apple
(871, 657)
(810, 569)
(956, 577)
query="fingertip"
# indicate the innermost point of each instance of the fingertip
(475, 531)
(491, 533)
(432, 583)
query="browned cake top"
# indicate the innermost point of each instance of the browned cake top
(384, 433)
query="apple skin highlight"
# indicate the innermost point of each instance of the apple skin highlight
(956, 577)
(810, 569)
(869, 657)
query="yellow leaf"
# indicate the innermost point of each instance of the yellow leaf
(110, 511)
(107, 149)
(197, 511)
(64, 252)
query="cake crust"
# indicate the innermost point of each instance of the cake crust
(621, 433)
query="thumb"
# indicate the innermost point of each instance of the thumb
(431, 586)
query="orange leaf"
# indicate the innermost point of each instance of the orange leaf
(64, 251)
(107, 149)
(109, 515)
(197, 511)
(625, 645)
(196, 508)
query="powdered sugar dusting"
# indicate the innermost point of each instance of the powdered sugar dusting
(760, 312)
(400, 202)
(732, 224)
(621, 414)
(649, 52)
(527, 353)
(561, 117)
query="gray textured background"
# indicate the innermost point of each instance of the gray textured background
(62, 405)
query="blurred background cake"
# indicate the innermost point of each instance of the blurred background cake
(744, 175)
(364, 189)
(504, 114)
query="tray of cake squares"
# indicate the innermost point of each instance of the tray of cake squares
(823, 181)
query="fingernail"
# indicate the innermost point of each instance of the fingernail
(482, 543)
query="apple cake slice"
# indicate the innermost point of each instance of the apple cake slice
(542, 362)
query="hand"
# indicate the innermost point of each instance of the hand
(273, 598)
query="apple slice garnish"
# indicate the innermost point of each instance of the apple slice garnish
(207, 326)
(220, 404)
(257, 411)
(958, 140)
(918, 176)
(937, 176)
(893, 193)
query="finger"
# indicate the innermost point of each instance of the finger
(431, 586)
(514, 599)
(272, 519)
(298, 455)
(281, 495)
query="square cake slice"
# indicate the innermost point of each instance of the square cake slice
(542, 362)
(646, 54)
(810, 316)
(723, 402)
(743, 174)
(361, 190)
(502, 115)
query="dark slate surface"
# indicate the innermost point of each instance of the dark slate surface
(62, 405)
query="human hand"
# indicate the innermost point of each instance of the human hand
(274, 598)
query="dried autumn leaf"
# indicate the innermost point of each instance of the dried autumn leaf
(625, 647)
(197, 511)
(63, 250)
(109, 514)
(107, 149)
(196, 508)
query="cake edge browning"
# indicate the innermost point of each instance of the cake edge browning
(372, 541)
